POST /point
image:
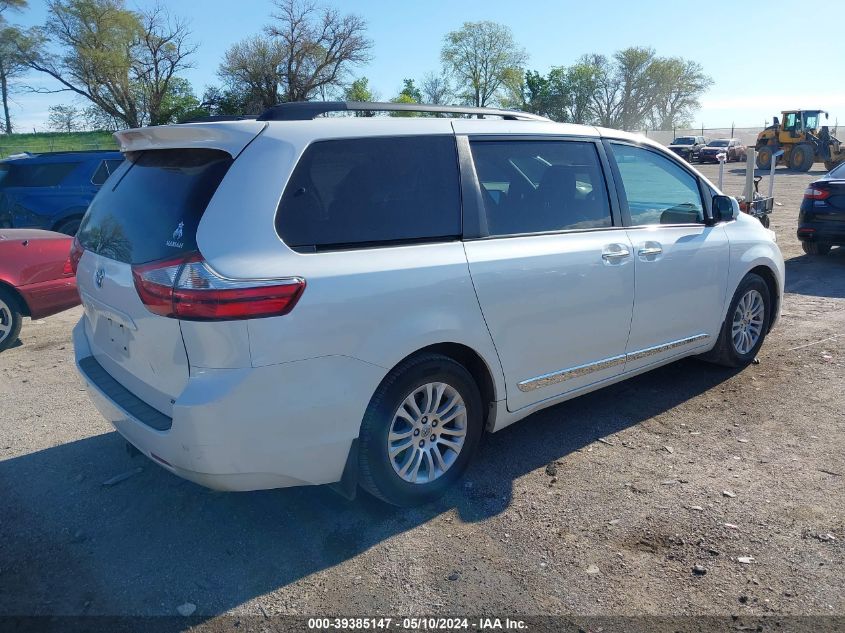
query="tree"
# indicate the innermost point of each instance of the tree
(320, 46)
(479, 57)
(11, 64)
(359, 90)
(253, 69)
(681, 83)
(436, 89)
(164, 50)
(94, 118)
(120, 60)
(64, 118)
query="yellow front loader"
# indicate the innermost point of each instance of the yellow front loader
(803, 141)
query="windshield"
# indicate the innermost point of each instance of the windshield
(719, 143)
(838, 172)
(684, 140)
(811, 120)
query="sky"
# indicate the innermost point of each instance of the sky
(724, 36)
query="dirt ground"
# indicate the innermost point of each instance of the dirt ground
(602, 505)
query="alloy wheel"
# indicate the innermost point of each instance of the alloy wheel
(427, 432)
(748, 321)
(5, 321)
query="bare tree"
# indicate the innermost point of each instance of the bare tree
(320, 46)
(163, 51)
(436, 89)
(481, 56)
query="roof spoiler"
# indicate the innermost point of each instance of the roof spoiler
(230, 137)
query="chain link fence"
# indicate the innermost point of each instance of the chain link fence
(746, 135)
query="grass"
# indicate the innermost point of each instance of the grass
(55, 142)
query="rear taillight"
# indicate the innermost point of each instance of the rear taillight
(816, 193)
(186, 288)
(72, 262)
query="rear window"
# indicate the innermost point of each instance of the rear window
(36, 175)
(372, 191)
(152, 206)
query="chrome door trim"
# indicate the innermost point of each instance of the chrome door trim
(665, 347)
(581, 370)
(566, 374)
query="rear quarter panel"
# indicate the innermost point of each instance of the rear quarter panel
(35, 268)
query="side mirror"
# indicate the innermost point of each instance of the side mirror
(725, 208)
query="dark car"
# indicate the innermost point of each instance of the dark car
(688, 147)
(821, 221)
(36, 278)
(731, 147)
(52, 191)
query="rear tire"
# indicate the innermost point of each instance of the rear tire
(802, 157)
(815, 248)
(11, 319)
(395, 438)
(764, 157)
(750, 312)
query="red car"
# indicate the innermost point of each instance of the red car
(37, 278)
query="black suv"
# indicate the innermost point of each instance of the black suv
(688, 147)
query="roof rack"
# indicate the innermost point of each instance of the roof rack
(306, 110)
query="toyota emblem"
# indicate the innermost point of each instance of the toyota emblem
(98, 277)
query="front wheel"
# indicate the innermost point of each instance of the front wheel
(745, 326)
(10, 319)
(420, 430)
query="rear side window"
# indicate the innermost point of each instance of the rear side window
(372, 191)
(541, 186)
(37, 175)
(150, 210)
(105, 169)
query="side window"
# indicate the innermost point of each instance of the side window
(370, 191)
(105, 169)
(540, 186)
(38, 175)
(658, 190)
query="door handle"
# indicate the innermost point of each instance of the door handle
(650, 251)
(615, 253)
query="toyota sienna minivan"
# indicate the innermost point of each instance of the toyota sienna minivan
(305, 299)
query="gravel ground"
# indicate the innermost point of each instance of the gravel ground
(602, 505)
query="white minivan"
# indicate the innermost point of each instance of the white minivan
(308, 298)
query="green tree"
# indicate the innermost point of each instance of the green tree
(120, 60)
(359, 90)
(253, 69)
(64, 118)
(480, 57)
(409, 94)
(11, 65)
(681, 82)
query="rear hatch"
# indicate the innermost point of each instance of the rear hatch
(149, 211)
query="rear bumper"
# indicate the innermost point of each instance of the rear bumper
(826, 232)
(246, 429)
(49, 297)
